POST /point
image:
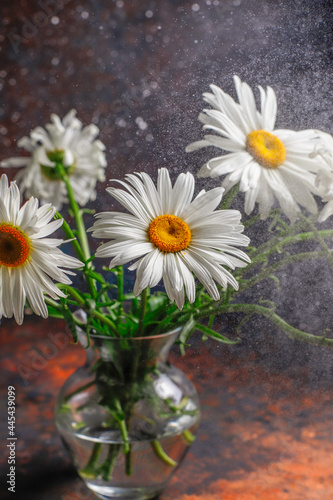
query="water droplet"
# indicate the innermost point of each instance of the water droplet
(55, 20)
(121, 122)
(141, 123)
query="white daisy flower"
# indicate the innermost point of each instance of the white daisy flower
(266, 163)
(171, 236)
(28, 260)
(324, 180)
(67, 142)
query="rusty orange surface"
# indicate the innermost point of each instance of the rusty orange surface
(264, 434)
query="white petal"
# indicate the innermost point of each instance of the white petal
(247, 101)
(27, 215)
(144, 271)
(182, 193)
(130, 252)
(7, 287)
(203, 205)
(201, 273)
(164, 188)
(188, 278)
(34, 293)
(268, 108)
(173, 294)
(15, 162)
(18, 295)
(326, 212)
(48, 229)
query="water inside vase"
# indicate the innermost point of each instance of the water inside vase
(144, 475)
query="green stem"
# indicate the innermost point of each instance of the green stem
(52, 303)
(290, 232)
(95, 454)
(75, 294)
(188, 436)
(156, 445)
(169, 321)
(106, 468)
(128, 462)
(104, 319)
(321, 240)
(120, 285)
(276, 244)
(89, 470)
(253, 220)
(80, 227)
(59, 308)
(292, 332)
(250, 309)
(142, 311)
(124, 435)
(81, 230)
(70, 235)
(228, 198)
(267, 272)
(122, 426)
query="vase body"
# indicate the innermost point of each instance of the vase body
(128, 417)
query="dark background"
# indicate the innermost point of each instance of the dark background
(138, 71)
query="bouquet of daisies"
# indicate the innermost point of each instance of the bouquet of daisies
(167, 233)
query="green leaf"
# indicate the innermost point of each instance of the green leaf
(54, 313)
(90, 259)
(214, 335)
(156, 301)
(104, 289)
(87, 211)
(95, 276)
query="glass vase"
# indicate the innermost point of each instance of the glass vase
(127, 417)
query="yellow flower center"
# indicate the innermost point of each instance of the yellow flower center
(14, 246)
(169, 233)
(266, 148)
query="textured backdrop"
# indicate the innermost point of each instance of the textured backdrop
(138, 71)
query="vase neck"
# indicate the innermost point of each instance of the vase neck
(147, 349)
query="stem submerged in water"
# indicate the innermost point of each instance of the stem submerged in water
(128, 462)
(89, 471)
(106, 468)
(156, 445)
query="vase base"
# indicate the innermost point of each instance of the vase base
(109, 493)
